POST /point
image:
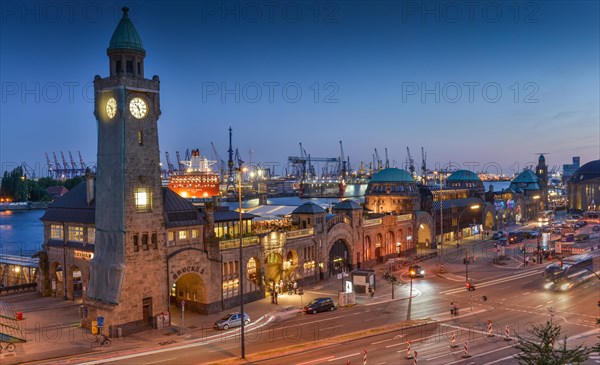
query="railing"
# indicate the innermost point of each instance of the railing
(16, 288)
(235, 243)
(372, 222)
(300, 233)
(19, 260)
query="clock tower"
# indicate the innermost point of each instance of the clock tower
(128, 273)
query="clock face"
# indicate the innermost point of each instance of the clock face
(111, 107)
(138, 108)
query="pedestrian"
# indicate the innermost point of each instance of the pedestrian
(281, 286)
(456, 309)
(371, 291)
(272, 292)
(275, 297)
(295, 286)
(526, 260)
(452, 308)
(290, 288)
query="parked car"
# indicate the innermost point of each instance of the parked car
(231, 320)
(582, 237)
(416, 271)
(319, 305)
(285, 313)
(596, 228)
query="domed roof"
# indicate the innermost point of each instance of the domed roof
(125, 36)
(309, 208)
(392, 175)
(347, 205)
(590, 170)
(463, 175)
(527, 176)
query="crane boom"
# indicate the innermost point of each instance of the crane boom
(378, 160)
(411, 162)
(83, 167)
(387, 161)
(50, 167)
(66, 168)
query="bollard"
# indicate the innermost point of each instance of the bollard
(507, 331)
(365, 357)
(490, 334)
(415, 358)
(466, 348)
(453, 344)
(408, 354)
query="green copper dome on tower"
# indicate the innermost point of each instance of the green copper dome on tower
(125, 36)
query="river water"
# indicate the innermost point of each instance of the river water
(22, 232)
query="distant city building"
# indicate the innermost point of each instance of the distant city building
(584, 188)
(570, 169)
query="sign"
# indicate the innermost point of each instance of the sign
(100, 322)
(404, 217)
(558, 247)
(176, 274)
(348, 287)
(83, 255)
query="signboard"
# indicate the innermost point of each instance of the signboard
(100, 321)
(83, 255)
(558, 247)
(348, 288)
(545, 239)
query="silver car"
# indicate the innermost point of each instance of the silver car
(231, 320)
(284, 313)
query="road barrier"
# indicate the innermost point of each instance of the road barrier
(507, 333)
(415, 358)
(453, 344)
(489, 329)
(408, 353)
(466, 351)
(365, 357)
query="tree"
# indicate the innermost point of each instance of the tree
(547, 348)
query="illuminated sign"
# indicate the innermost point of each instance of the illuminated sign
(187, 270)
(83, 255)
(404, 217)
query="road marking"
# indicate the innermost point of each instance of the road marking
(478, 355)
(501, 360)
(343, 357)
(330, 328)
(493, 282)
(156, 362)
(321, 359)
(444, 355)
(389, 339)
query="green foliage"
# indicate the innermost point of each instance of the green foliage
(15, 185)
(547, 348)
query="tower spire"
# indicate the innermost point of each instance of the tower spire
(230, 164)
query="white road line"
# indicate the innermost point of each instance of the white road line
(321, 359)
(478, 355)
(493, 282)
(329, 328)
(389, 339)
(156, 362)
(501, 360)
(444, 355)
(343, 357)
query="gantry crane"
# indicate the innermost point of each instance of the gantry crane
(411, 162)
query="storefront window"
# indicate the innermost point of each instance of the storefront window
(56, 231)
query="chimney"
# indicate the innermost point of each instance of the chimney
(89, 185)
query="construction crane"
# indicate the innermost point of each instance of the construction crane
(67, 170)
(344, 167)
(74, 167)
(387, 161)
(50, 166)
(424, 166)
(411, 163)
(220, 162)
(230, 164)
(180, 165)
(377, 160)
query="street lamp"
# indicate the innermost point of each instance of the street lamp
(241, 289)
(472, 207)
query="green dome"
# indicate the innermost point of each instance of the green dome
(125, 35)
(309, 208)
(463, 175)
(526, 176)
(392, 175)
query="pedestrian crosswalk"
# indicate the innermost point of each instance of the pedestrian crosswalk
(595, 357)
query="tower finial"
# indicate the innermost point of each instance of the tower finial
(125, 10)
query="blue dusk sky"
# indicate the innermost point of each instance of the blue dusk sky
(477, 84)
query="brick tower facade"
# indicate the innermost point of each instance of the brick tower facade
(128, 275)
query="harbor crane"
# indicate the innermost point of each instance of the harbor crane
(50, 166)
(74, 167)
(170, 167)
(58, 171)
(180, 164)
(377, 160)
(387, 161)
(81, 163)
(67, 170)
(220, 162)
(344, 166)
(411, 162)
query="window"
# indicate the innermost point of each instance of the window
(140, 138)
(195, 233)
(170, 238)
(56, 231)
(143, 200)
(154, 241)
(76, 234)
(139, 68)
(136, 243)
(129, 65)
(145, 241)
(119, 68)
(91, 235)
(183, 235)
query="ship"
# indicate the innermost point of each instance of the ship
(322, 188)
(198, 180)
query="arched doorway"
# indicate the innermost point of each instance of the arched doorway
(290, 265)
(368, 252)
(77, 282)
(191, 288)
(424, 235)
(378, 250)
(390, 242)
(489, 220)
(339, 258)
(273, 268)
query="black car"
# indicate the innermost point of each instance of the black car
(319, 305)
(416, 271)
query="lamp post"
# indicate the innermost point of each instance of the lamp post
(441, 222)
(466, 261)
(241, 289)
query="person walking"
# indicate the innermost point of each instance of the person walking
(452, 308)
(295, 286)
(275, 297)
(371, 291)
(526, 260)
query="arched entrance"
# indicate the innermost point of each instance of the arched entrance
(290, 265)
(273, 268)
(378, 249)
(424, 235)
(368, 252)
(191, 288)
(339, 258)
(253, 271)
(489, 220)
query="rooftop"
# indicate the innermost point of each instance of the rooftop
(392, 175)
(125, 35)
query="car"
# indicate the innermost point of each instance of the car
(596, 228)
(231, 320)
(515, 237)
(497, 236)
(284, 313)
(503, 242)
(319, 305)
(582, 237)
(416, 271)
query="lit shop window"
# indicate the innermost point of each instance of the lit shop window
(143, 200)
(195, 233)
(183, 235)
(171, 237)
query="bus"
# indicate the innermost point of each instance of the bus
(571, 271)
(546, 216)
